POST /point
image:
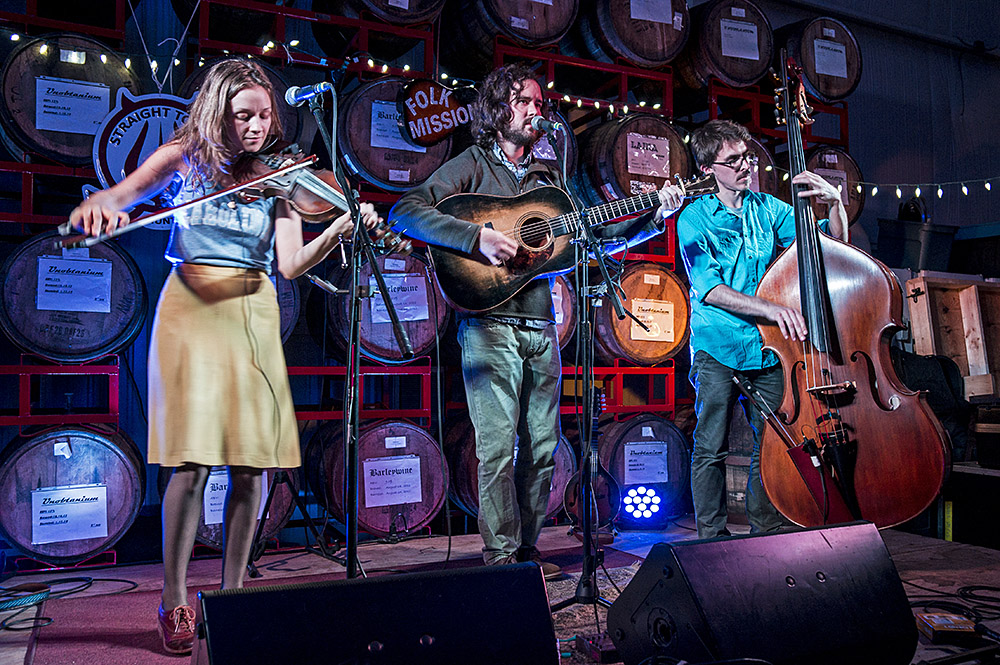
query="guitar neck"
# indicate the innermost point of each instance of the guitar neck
(604, 213)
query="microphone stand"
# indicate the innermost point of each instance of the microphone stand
(361, 244)
(593, 554)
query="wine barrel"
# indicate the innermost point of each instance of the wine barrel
(374, 147)
(337, 41)
(56, 91)
(469, 28)
(460, 449)
(402, 474)
(547, 153)
(419, 305)
(632, 155)
(840, 169)
(764, 178)
(89, 304)
(564, 303)
(651, 451)
(657, 298)
(288, 303)
(69, 493)
(827, 52)
(210, 529)
(291, 116)
(731, 41)
(645, 34)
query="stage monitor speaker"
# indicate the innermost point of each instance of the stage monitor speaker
(495, 615)
(821, 596)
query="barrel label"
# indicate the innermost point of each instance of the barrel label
(739, 39)
(831, 58)
(408, 292)
(557, 301)
(391, 481)
(651, 10)
(74, 107)
(395, 442)
(658, 315)
(402, 4)
(519, 23)
(69, 512)
(648, 155)
(74, 285)
(385, 128)
(647, 462)
(214, 499)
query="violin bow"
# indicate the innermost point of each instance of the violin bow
(89, 241)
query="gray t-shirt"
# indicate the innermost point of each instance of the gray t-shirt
(222, 233)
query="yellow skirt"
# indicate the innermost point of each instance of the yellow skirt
(218, 385)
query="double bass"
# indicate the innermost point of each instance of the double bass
(851, 441)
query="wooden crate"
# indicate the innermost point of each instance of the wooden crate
(959, 316)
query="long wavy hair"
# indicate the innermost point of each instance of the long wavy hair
(202, 136)
(491, 112)
(707, 140)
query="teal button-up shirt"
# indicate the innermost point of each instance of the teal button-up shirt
(720, 246)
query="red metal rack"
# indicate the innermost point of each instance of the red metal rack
(279, 15)
(617, 87)
(31, 19)
(109, 366)
(753, 106)
(420, 367)
(29, 174)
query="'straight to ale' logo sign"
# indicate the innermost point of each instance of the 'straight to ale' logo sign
(134, 129)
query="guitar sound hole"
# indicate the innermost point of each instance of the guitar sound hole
(534, 233)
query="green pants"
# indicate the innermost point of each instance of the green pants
(512, 378)
(715, 394)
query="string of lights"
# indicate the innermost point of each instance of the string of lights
(965, 186)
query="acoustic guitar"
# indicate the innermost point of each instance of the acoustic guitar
(543, 221)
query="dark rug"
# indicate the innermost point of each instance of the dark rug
(121, 629)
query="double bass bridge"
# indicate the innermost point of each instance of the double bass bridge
(833, 389)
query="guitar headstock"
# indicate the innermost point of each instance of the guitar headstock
(790, 96)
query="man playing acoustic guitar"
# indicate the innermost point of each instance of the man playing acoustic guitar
(510, 353)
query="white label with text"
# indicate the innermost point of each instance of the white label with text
(69, 512)
(73, 285)
(390, 481)
(408, 292)
(74, 107)
(646, 462)
(658, 315)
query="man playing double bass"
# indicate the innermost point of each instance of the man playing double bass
(727, 241)
(510, 354)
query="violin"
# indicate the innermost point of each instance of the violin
(313, 193)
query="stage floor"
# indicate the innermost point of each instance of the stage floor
(94, 627)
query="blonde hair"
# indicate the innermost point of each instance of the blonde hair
(202, 136)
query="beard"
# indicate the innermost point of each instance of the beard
(519, 136)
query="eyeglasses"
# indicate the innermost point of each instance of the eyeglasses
(738, 161)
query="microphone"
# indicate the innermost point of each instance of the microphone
(540, 124)
(296, 96)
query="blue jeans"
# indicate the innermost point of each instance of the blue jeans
(715, 395)
(512, 379)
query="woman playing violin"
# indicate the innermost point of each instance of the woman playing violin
(218, 385)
